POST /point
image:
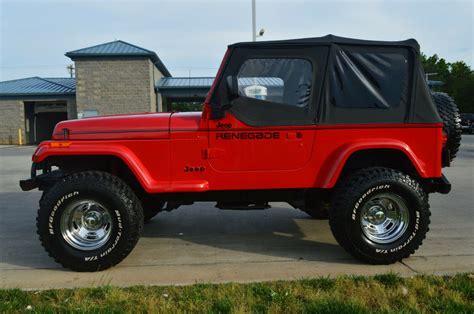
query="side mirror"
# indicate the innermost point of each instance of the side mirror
(232, 87)
(218, 112)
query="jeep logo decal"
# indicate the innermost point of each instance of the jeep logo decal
(220, 125)
(194, 169)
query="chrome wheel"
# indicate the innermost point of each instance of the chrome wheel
(86, 225)
(384, 218)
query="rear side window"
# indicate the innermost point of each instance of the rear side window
(369, 77)
(277, 80)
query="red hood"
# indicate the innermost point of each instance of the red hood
(133, 126)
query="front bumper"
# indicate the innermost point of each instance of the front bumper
(42, 181)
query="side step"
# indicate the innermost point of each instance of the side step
(242, 205)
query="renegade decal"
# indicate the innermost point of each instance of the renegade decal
(247, 135)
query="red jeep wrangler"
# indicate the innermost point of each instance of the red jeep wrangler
(336, 127)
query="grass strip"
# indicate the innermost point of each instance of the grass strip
(388, 293)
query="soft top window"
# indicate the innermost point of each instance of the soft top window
(369, 77)
(275, 86)
(278, 80)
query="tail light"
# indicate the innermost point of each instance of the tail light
(445, 139)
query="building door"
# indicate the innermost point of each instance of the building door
(46, 116)
(45, 123)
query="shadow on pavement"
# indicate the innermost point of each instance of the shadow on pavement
(275, 232)
(281, 232)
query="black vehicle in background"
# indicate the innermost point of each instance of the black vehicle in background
(467, 122)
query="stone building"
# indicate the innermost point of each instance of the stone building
(111, 78)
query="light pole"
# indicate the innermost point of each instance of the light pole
(254, 23)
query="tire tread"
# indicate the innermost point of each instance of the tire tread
(346, 190)
(116, 185)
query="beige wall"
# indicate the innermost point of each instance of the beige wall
(113, 86)
(13, 118)
(158, 100)
(12, 113)
(71, 109)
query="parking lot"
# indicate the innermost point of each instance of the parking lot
(200, 243)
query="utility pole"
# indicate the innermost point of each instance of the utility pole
(70, 69)
(254, 21)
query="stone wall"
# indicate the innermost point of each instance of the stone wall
(71, 109)
(113, 86)
(13, 118)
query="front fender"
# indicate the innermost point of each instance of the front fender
(131, 157)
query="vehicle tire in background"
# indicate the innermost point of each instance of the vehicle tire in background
(449, 113)
(379, 215)
(89, 221)
(319, 211)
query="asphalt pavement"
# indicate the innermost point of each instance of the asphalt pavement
(200, 243)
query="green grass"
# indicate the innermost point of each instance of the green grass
(388, 293)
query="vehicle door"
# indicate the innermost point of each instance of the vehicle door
(269, 119)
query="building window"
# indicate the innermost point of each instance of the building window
(87, 113)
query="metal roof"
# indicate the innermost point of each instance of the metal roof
(118, 48)
(265, 81)
(206, 82)
(65, 81)
(434, 83)
(37, 86)
(184, 82)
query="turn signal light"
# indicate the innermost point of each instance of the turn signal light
(60, 144)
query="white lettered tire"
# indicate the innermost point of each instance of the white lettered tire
(89, 221)
(379, 215)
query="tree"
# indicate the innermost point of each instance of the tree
(458, 79)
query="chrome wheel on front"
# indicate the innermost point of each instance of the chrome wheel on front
(384, 218)
(86, 225)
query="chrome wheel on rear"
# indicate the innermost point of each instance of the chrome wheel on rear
(384, 218)
(86, 225)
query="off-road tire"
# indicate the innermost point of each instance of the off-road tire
(449, 113)
(320, 212)
(355, 191)
(126, 216)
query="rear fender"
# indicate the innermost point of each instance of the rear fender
(336, 161)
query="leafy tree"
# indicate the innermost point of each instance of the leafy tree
(184, 106)
(458, 79)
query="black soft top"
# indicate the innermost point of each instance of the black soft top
(365, 81)
(327, 40)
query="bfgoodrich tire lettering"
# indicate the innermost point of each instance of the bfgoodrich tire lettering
(124, 220)
(351, 198)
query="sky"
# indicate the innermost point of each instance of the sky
(191, 37)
